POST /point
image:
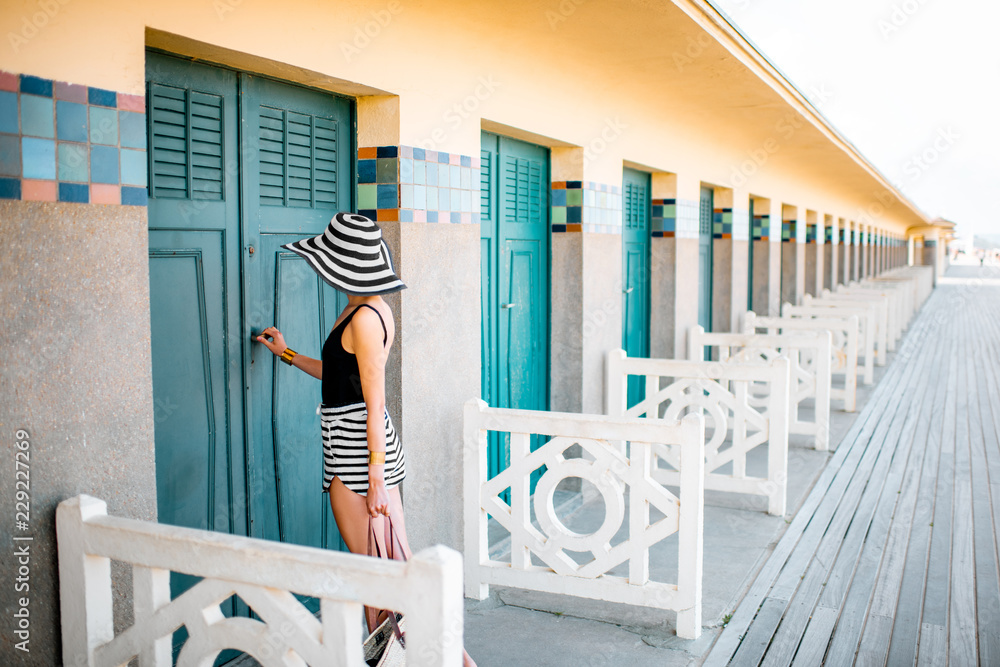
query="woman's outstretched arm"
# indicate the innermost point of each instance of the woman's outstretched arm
(366, 336)
(277, 345)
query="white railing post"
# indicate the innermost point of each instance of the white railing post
(475, 475)
(150, 592)
(85, 601)
(691, 541)
(777, 453)
(434, 627)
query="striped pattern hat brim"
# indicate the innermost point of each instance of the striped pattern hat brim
(351, 256)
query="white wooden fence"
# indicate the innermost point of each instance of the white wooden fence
(844, 357)
(612, 470)
(813, 307)
(264, 574)
(866, 331)
(890, 301)
(810, 354)
(723, 393)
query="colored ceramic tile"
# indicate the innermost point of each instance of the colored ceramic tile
(444, 199)
(8, 113)
(405, 215)
(419, 153)
(34, 85)
(74, 192)
(419, 196)
(558, 228)
(419, 172)
(465, 201)
(406, 196)
(73, 162)
(432, 173)
(104, 164)
(574, 214)
(37, 118)
(10, 188)
(456, 218)
(388, 196)
(443, 158)
(386, 170)
(10, 156)
(132, 102)
(367, 195)
(558, 215)
(105, 194)
(432, 198)
(132, 129)
(405, 170)
(38, 158)
(432, 216)
(388, 214)
(466, 161)
(134, 196)
(39, 190)
(102, 98)
(455, 176)
(387, 151)
(419, 215)
(454, 160)
(71, 121)
(444, 176)
(70, 92)
(466, 179)
(9, 81)
(133, 167)
(103, 126)
(406, 151)
(558, 197)
(370, 213)
(574, 197)
(366, 171)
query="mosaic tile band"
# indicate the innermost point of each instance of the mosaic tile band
(71, 143)
(409, 184)
(585, 206)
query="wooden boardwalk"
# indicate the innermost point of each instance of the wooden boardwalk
(892, 559)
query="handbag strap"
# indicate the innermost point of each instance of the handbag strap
(391, 540)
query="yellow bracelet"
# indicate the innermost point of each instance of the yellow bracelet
(376, 458)
(288, 355)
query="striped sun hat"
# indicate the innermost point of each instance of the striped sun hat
(351, 256)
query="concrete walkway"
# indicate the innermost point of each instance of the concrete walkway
(515, 627)
(893, 557)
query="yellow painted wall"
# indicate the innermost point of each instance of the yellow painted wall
(630, 81)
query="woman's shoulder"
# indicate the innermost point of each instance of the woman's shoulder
(373, 318)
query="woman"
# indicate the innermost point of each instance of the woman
(363, 461)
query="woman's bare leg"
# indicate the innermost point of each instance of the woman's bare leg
(351, 513)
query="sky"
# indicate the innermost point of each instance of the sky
(913, 84)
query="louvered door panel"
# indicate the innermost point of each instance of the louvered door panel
(187, 133)
(298, 159)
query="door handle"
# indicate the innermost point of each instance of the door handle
(507, 306)
(628, 291)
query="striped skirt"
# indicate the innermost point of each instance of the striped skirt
(345, 448)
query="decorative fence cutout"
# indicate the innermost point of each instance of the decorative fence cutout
(810, 354)
(723, 393)
(265, 574)
(607, 466)
(844, 356)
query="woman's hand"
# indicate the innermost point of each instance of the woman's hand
(277, 342)
(378, 496)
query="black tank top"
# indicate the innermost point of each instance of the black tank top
(341, 378)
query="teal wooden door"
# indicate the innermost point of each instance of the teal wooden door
(635, 272)
(239, 165)
(515, 278)
(705, 218)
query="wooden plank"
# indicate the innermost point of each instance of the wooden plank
(962, 648)
(814, 642)
(933, 646)
(873, 652)
(755, 642)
